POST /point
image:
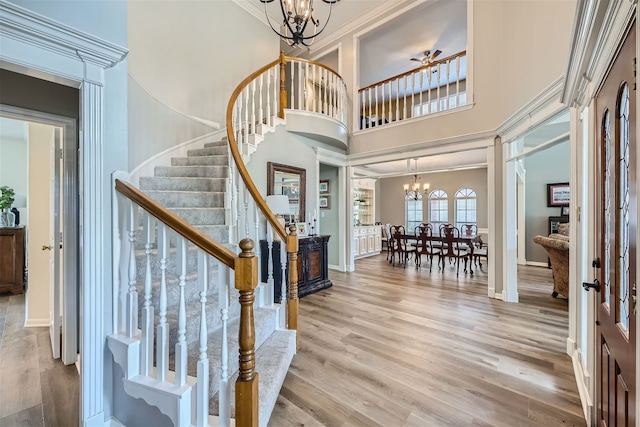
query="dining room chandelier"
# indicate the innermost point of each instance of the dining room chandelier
(412, 191)
(297, 15)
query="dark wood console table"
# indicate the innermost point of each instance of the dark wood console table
(12, 260)
(313, 269)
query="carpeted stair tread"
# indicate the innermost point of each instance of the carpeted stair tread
(214, 171)
(201, 216)
(186, 199)
(176, 183)
(216, 160)
(272, 363)
(220, 150)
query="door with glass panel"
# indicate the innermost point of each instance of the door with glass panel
(615, 265)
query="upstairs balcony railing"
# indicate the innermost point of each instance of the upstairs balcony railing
(431, 88)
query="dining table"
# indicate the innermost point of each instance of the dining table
(448, 241)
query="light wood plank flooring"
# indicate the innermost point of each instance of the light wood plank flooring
(385, 346)
(35, 389)
(393, 346)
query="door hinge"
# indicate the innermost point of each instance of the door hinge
(634, 73)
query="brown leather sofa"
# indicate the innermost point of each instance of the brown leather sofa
(557, 247)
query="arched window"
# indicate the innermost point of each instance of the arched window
(413, 209)
(465, 207)
(438, 208)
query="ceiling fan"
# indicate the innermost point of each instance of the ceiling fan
(429, 56)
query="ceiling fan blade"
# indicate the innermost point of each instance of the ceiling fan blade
(416, 59)
(435, 54)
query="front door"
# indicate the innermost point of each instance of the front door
(616, 213)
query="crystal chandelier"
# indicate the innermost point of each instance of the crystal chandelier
(297, 14)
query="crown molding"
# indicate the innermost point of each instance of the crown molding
(24, 25)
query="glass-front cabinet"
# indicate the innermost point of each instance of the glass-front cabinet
(367, 237)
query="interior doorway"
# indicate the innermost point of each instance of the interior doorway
(49, 205)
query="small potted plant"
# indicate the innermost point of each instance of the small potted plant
(7, 197)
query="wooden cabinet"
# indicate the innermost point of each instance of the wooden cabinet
(12, 260)
(313, 266)
(367, 240)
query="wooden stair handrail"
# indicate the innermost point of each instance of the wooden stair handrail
(237, 157)
(408, 73)
(186, 230)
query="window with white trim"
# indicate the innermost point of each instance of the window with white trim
(413, 210)
(465, 207)
(438, 209)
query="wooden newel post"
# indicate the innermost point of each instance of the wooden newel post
(246, 281)
(283, 85)
(292, 303)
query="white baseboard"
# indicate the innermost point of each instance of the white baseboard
(37, 323)
(583, 380)
(537, 264)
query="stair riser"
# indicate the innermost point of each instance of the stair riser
(187, 199)
(182, 184)
(209, 151)
(215, 171)
(200, 161)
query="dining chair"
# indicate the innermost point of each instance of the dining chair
(425, 245)
(455, 249)
(400, 245)
(481, 250)
(388, 239)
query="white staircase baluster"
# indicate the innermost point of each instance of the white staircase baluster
(245, 106)
(300, 85)
(390, 99)
(252, 107)
(438, 89)
(276, 89)
(268, 93)
(202, 392)
(181, 345)
(245, 196)
(306, 83)
(132, 295)
(413, 93)
(261, 110)
(224, 282)
(448, 71)
(458, 81)
(429, 73)
(292, 98)
(421, 90)
(397, 117)
(146, 354)
(162, 348)
(404, 96)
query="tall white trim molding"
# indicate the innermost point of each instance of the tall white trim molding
(38, 46)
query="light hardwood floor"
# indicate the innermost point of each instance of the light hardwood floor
(385, 346)
(393, 346)
(35, 389)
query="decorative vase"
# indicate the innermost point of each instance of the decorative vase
(7, 218)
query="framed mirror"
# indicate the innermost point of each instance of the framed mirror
(290, 181)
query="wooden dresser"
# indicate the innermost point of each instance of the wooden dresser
(313, 267)
(12, 260)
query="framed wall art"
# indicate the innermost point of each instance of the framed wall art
(558, 194)
(325, 202)
(325, 186)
